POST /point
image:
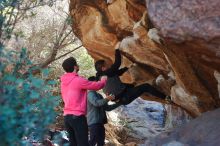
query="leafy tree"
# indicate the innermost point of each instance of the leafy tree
(45, 31)
(13, 12)
(26, 101)
(27, 97)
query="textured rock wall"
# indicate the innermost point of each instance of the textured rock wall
(186, 66)
(199, 132)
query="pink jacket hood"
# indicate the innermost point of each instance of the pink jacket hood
(74, 92)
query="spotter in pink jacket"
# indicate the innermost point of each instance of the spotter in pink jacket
(74, 92)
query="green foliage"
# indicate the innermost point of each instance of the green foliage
(14, 11)
(27, 101)
(6, 16)
(86, 63)
(69, 20)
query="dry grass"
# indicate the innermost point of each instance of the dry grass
(119, 136)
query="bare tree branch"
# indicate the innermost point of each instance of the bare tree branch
(68, 52)
(64, 38)
(36, 71)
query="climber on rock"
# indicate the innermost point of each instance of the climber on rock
(124, 93)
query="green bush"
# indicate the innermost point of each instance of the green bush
(26, 101)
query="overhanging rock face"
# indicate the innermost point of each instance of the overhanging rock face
(188, 65)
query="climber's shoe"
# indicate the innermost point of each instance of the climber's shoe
(168, 99)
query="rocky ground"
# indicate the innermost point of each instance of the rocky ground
(136, 123)
(140, 121)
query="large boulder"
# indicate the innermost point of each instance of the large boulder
(191, 31)
(188, 60)
(202, 131)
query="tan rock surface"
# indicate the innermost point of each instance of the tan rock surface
(192, 46)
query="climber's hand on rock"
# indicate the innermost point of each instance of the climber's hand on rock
(117, 46)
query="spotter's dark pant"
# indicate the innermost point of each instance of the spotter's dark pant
(97, 135)
(77, 129)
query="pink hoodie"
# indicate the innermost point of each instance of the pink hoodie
(74, 92)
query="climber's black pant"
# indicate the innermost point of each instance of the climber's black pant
(130, 94)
